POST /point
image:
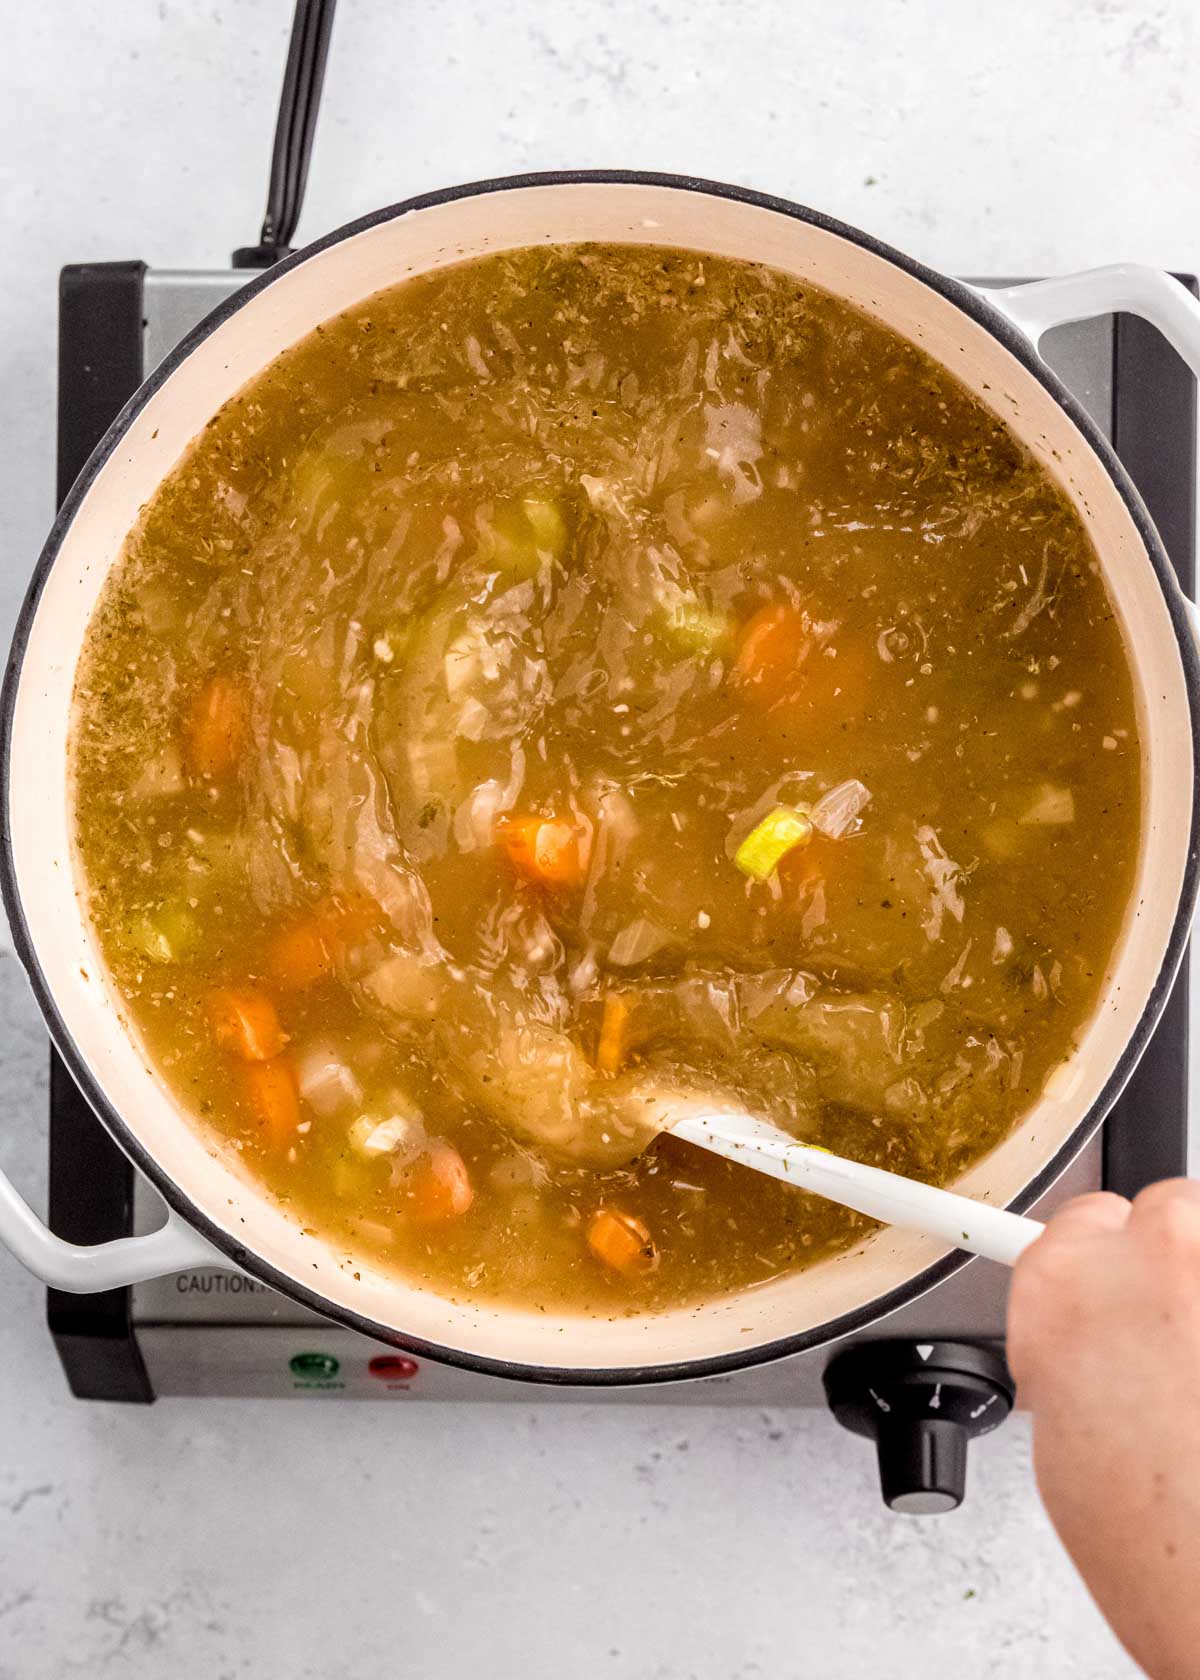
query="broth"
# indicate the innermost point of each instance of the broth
(585, 676)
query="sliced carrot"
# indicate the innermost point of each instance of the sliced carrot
(244, 1021)
(299, 954)
(772, 646)
(553, 850)
(440, 1187)
(610, 1052)
(215, 728)
(305, 949)
(783, 655)
(270, 1090)
(620, 1240)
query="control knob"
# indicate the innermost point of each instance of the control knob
(920, 1402)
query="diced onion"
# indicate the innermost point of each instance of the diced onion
(636, 942)
(475, 819)
(583, 974)
(944, 877)
(836, 812)
(326, 1083)
(1051, 805)
(604, 496)
(161, 775)
(473, 719)
(398, 1133)
(405, 986)
(733, 436)
(461, 665)
(780, 832)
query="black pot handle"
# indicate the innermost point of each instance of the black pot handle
(299, 102)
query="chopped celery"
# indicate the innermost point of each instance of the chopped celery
(694, 626)
(348, 1177)
(169, 934)
(780, 832)
(545, 520)
(523, 532)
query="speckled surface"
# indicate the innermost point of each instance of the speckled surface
(217, 1540)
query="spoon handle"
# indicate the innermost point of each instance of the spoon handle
(958, 1220)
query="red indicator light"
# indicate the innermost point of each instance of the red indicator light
(393, 1365)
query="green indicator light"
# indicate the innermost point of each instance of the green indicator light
(312, 1365)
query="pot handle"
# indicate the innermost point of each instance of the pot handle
(174, 1247)
(1118, 289)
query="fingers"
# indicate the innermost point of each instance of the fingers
(1166, 1222)
(1104, 1270)
(1051, 1282)
(1175, 1199)
(1169, 1192)
(1089, 1215)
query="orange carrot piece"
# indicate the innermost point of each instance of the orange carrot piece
(270, 1091)
(782, 655)
(610, 1052)
(244, 1021)
(440, 1188)
(553, 850)
(305, 949)
(215, 728)
(772, 646)
(620, 1240)
(299, 955)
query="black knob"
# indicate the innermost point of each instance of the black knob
(921, 1402)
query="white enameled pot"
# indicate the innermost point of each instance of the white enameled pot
(219, 1215)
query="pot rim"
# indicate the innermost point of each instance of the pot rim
(1014, 340)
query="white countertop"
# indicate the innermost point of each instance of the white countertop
(214, 1540)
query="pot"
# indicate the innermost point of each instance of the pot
(218, 1216)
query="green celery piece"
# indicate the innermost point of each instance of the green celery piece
(169, 934)
(524, 531)
(780, 832)
(545, 519)
(696, 627)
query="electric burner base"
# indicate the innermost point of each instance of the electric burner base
(217, 1333)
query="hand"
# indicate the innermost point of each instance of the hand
(1104, 1342)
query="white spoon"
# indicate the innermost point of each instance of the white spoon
(958, 1220)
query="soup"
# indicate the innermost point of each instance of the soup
(581, 680)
